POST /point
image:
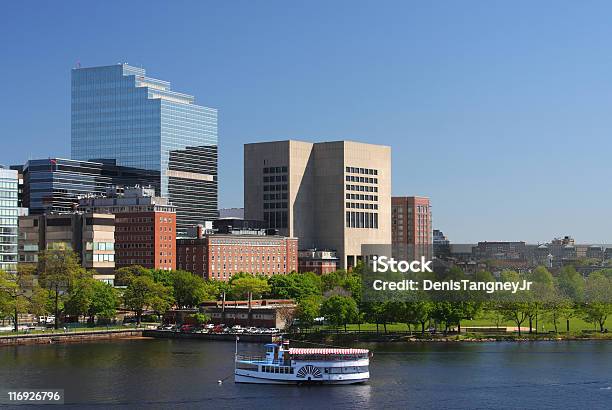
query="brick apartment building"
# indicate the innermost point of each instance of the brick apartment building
(411, 227)
(318, 261)
(145, 226)
(220, 255)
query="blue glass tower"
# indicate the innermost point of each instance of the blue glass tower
(118, 113)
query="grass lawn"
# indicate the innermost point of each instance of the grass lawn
(577, 325)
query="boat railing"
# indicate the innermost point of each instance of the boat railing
(251, 357)
(257, 358)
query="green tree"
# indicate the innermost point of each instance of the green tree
(123, 275)
(79, 295)
(571, 283)
(419, 312)
(58, 269)
(143, 292)
(200, 318)
(295, 285)
(14, 289)
(104, 301)
(514, 307)
(308, 309)
(339, 310)
(597, 292)
(542, 294)
(189, 289)
(249, 286)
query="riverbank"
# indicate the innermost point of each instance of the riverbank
(69, 337)
(352, 337)
(244, 337)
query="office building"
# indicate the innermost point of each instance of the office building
(119, 113)
(319, 261)
(411, 220)
(55, 184)
(219, 256)
(8, 219)
(145, 226)
(330, 195)
(90, 235)
(277, 313)
(441, 244)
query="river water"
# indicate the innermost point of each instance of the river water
(183, 373)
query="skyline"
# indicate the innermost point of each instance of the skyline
(518, 147)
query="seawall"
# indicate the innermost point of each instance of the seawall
(245, 337)
(69, 337)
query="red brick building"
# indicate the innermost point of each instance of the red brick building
(411, 227)
(317, 261)
(219, 256)
(145, 227)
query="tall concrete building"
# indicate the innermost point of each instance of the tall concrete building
(330, 195)
(91, 236)
(118, 113)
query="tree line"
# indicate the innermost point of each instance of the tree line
(58, 285)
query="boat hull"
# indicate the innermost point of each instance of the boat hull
(239, 378)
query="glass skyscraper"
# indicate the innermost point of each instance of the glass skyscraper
(119, 113)
(8, 220)
(54, 185)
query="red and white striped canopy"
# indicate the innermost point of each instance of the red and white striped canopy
(325, 351)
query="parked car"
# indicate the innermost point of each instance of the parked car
(187, 328)
(274, 330)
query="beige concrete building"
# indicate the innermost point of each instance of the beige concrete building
(91, 236)
(330, 195)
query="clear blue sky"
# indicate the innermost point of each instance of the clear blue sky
(501, 112)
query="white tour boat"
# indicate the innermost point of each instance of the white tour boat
(285, 365)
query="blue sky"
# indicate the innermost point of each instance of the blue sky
(499, 111)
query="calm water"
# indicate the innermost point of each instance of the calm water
(173, 373)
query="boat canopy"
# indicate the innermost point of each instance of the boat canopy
(325, 351)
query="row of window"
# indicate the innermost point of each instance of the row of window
(282, 187)
(274, 170)
(100, 257)
(275, 205)
(367, 180)
(362, 188)
(8, 185)
(362, 197)
(277, 369)
(278, 195)
(346, 370)
(366, 171)
(361, 205)
(275, 178)
(100, 246)
(366, 220)
(8, 194)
